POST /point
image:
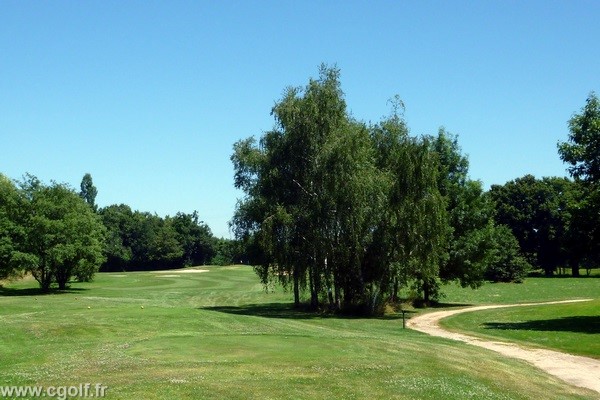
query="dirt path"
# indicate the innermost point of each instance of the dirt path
(576, 370)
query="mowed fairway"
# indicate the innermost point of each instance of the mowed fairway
(217, 335)
(573, 328)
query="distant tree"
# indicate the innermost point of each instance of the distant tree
(582, 153)
(471, 235)
(118, 220)
(506, 263)
(12, 233)
(538, 212)
(153, 242)
(140, 240)
(164, 249)
(226, 252)
(582, 150)
(64, 237)
(195, 237)
(88, 191)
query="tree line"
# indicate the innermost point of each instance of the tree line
(58, 234)
(557, 220)
(349, 212)
(341, 211)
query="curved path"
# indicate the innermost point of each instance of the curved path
(576, 370)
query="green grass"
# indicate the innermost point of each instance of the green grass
(531, 290)
(572, 328)
(218, 335)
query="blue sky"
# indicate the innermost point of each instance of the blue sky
(149, 96)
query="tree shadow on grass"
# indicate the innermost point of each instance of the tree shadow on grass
(450, 305)
(287, 311)
(576, 324)
(36, 291)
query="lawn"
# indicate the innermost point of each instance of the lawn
(218, 335)
(572, 328)
(531, 290)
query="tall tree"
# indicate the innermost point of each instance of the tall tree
(88, 191)
(118, 220)
(538, 212)
(582, 153)
(195, 238)
(409, 240)
(582, 150)
(506, 263)
(12, 233)
(471, 235)
(283, 194)
(64, 237)
(318, 196)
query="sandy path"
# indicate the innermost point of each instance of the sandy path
(576, 370)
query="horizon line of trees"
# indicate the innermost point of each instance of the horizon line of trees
(342, 211)
(58, 234)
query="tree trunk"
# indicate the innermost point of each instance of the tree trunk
(314, 294)
(575, 270)
(426, 291)
(395, 291)
(296, 288)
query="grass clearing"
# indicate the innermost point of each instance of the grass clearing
(573, 328)
(531, 290)
(218, 335)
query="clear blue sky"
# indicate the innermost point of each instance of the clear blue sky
(149, 96)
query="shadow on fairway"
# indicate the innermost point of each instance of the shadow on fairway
(450, 305)
(286, 311)
(577, 324)
(36, 291)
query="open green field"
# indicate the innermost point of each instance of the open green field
(218, 335)
(532, 290)
(573, 328)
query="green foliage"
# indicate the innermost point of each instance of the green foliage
(582, 150)
(227, 252)
(473, 239)
(345, 211)
(506, 263)
(12, 234)
(539, 214)
(63, 236)
(89, 191)
(118, 220)
(195, 238)
(140, 240)
(409, 240)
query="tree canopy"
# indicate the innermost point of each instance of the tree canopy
(55, 235)
(350, 211)
(582, 153)
(582, 150)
